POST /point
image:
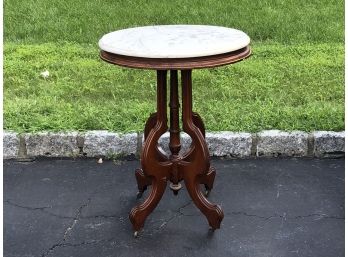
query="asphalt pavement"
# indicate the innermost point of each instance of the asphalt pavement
(273, 207)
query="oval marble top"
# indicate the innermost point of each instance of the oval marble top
(174, 41)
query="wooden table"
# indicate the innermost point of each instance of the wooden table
(171, 48)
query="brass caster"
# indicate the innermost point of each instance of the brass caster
(136, 234)
(139, 194)
(206, 193)
(175, 188)
(211, 230)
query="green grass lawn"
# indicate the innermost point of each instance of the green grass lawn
(293, 81)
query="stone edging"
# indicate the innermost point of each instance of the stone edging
(269, 143)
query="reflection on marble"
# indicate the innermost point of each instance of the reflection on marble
(174, 41)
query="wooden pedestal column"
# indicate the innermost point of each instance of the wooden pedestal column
(193, 166)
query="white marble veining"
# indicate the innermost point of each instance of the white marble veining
(174, 41)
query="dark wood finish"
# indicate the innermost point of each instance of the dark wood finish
(142, 181)
(153, 167)
(174, 139)
(199, 164)
(150, 123)
(176, 63)
(193, 167)
(197, 120)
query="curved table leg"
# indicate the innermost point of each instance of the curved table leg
(208, 180)
(150, 124)
(155, 169)
(197, 120)
(199, 165)
(139, 213)
(142, 180)
(213, 212)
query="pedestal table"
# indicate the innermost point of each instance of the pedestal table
(171, 48)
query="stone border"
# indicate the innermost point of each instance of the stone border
(268, 143)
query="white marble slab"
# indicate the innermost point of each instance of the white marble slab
(174, 41)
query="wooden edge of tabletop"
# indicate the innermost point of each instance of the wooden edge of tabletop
(176, 63)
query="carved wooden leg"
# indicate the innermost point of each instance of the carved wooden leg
(208, 180)
(155, 168)
(197, 165)
(194, 167)
(139, 213)
(150, 124)
(213, 212)
(197, 120)
(142, 181)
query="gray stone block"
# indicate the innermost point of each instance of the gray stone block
(53, 144)
(163, 142)
(219, 144)
(328, 143)
(276, 143)
(10, 145)
(229, 144)
(185, 141)
(104, 143)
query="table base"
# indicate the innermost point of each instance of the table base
(193, 166)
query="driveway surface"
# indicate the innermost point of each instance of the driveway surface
(273, 207)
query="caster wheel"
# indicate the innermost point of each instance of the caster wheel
(206, 193)
(136, 234)
(211, 230)
(139, 194)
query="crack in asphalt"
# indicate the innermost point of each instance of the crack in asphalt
(177, 213)
(91, 242)
(101, 216)
(77, 216)
(324, 216)
(251, 215)
(10, 202)
(62, 244)
(69, 228)
(42, 209)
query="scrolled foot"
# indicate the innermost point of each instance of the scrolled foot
(215, 217)
(139, 213)
(213, 212)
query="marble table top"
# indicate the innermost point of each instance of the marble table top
(174, 41)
